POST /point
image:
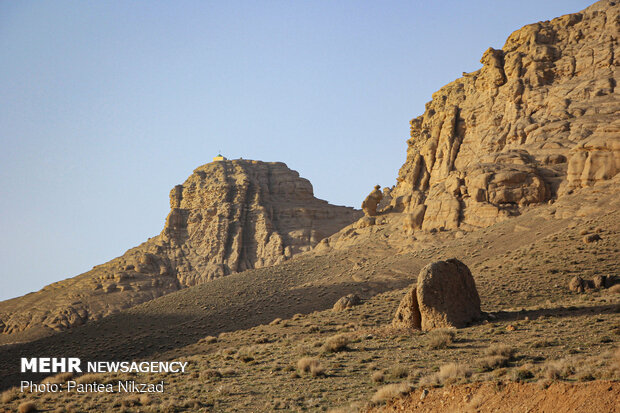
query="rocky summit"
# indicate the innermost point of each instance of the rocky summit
(538, 120)
(227, 217)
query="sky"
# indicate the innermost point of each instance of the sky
(105, 106)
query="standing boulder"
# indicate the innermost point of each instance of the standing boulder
(445, 296)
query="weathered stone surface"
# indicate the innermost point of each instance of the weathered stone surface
(345, 302)
(369, 206)
(538, 120)
(228, 216)
(408, 313)
(447, 295)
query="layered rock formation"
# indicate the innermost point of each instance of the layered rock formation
(231, 216)
(228, 216)
(538, 120)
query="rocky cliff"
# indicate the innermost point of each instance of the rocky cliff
(228, 216)
(538, 120)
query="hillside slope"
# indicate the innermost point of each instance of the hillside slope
(227, 217)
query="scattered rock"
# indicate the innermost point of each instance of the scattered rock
(346, 302)
(579, 285)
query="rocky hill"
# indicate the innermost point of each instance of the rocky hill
(538, 120)
(227, 217)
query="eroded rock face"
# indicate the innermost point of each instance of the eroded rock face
(227, 217)
(445, 296)
(408, 313)
(231, 216)
(539, 119)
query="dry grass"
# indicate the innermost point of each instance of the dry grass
(310, 365)
(391, 392)
(378, 377)
(441, 338)
(27, 407)
(502, 350)
(335, 344)
(399, 372)
(447, 374)
(615, 289)
(558, 370)
(497, 356)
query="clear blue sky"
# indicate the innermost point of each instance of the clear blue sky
(105, 106)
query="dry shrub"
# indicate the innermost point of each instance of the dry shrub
(335, 344)
(441, 338)
(497, 355)
(310, 365)
(9, 395)
(275, 322)
(209, 340)
(448, 373)
(145, 400)
(558, 370)
(492, 362)
(27, 407)
(246, 354)
(378, 377)
(391, 392)
(211, 374)
(58, 378)
(500, 350)
(399, 372)
(615, 289)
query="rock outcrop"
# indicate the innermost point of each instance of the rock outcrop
(538, 120)
(228, 216)
(445, 297)
(369, 205)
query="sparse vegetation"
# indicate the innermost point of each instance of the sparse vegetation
(391, 392)
(441, 338)
(335, 344)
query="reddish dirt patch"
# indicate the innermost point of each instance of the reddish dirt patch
(598, 396)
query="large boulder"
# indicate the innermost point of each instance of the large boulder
(445, 296)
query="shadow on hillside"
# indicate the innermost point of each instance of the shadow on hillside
(557, 312)
(143, 332)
